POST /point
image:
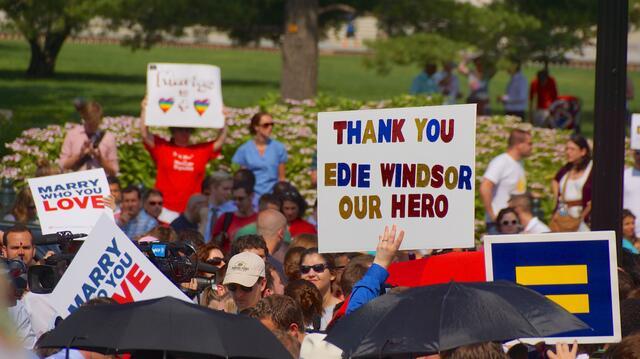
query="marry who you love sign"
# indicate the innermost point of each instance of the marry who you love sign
(184, 95)
(413, 167)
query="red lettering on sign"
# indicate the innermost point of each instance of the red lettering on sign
(138, 278)
(48, 208)
(126, 296)
(95, 201)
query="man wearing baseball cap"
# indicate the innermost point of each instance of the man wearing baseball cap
(245, 279)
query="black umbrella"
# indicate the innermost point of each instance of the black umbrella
(430, 319)
(165, 325)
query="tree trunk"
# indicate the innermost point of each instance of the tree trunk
(300, 50)
(44, 54)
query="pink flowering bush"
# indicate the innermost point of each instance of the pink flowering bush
(296, 129)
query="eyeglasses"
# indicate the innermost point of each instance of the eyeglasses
(233, 287)
(153, 203)
(214, 261)
(509, 223)
(318, 268)
(267, 125)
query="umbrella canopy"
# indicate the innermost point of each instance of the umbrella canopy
(427, 320)
(166, 324)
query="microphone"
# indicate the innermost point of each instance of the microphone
(57, 238)
(207, 268)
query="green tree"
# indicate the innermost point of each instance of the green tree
(46, 24)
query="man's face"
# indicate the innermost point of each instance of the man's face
(257, 251)
(246, 297)
(115, 192)
(153, 205)
(525, 148)
(20, 246)
(242, 200)
(278, 286)
(131, 203)
(222, 192)
(290, 210)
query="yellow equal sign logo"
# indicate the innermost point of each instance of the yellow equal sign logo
(558, 275)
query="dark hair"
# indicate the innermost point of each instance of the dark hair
(255, 121)
(16, 228)
(113, 179)
(245, 175)
(503, 212)
(354, 271)
(203, 251)
(328, 258)
(247, 187)
(292, 263)
(152, 192)
(250, 241)
(629, 347)
(132, 188)
(268, 198)
(268, 267)
(205, 186)
(163, 234)
(295, 197)
(582, 143)
(627, 213)
(517, 136)
(97, 301)
(90, 111)
(518, 351)
(191, 235)
(307, 295)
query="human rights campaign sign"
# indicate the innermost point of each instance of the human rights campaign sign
(578, 271)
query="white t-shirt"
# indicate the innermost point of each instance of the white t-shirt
(536, 226)
(631, 195)
(41, 312)
(508, 178)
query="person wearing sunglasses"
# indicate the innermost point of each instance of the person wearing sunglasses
(508, 222)
(264, 156)
(319, 269)
(24, 208)
(152, 204)
(245, 279)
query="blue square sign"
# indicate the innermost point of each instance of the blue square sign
(578, 271)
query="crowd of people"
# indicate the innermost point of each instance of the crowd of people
(257, 230)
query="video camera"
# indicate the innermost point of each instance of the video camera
(177, 261)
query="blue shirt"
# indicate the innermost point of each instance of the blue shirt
(517, 93)
(626, 244)
(423, 84)
(141, 224)
(264, 167)
(367, 288)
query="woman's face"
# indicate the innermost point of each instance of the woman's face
(290, 210)
(574, 153)
(628, 227)
(322, 277)
(509, 224)
(265, 126)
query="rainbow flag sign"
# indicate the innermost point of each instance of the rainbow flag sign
(578, 271)
(184, 95)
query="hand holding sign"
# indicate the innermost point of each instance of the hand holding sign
(388, 246)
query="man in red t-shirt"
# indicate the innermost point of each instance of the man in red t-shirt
(180, 166)
(544, 88)
(243, 198)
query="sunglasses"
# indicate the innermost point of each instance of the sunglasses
(152, 203)
(233, 287)
(509, 223)
(267, 125)
(214, 261)
(318, 268)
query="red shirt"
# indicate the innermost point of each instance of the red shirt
(546, 93)
(236, 224)
(180, 170)
(299, 226)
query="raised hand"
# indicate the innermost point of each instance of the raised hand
(388, 246)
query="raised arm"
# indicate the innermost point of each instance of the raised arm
(147, 137)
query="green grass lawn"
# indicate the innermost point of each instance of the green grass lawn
(115, 76)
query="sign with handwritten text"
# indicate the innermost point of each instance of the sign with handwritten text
(71, 201)
(184, 95)
(413, 167)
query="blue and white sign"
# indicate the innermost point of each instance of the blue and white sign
(578, 271)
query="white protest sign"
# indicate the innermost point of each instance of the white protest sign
(635, 131)
(578, 271)
(413, 167)
(71, 201)
(110, 265)
(184, 95)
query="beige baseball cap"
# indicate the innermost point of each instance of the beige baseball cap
(244, 268)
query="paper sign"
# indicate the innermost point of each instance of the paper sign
(635, 131)
(71, 201)
(110, 265)
(182, 95)
(576, 270)
(413, 167)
